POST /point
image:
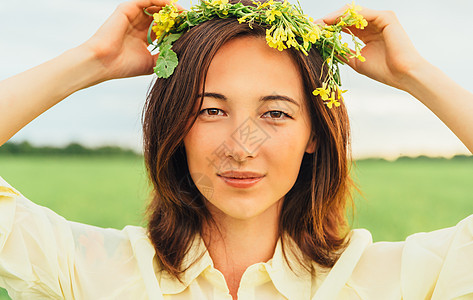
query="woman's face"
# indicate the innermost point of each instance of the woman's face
(242, 127)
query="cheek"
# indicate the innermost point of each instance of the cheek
(286, 151)
(200, 143)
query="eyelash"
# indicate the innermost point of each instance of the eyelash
(276, 119)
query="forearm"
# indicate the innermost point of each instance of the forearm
(25, 96)
(445, 98)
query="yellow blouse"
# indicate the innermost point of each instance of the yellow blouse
(44, 256)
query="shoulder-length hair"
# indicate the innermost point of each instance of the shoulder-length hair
(313, 212)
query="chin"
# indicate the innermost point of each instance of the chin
(241, 209)
(242, 214)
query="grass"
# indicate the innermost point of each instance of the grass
(405, 197)
(106, 192)
(400, 198)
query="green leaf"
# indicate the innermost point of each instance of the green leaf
(148, 36)
(169, 39)
(166, 62)
(146, 12)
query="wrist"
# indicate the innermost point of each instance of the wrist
(419, 78)
(85, 67)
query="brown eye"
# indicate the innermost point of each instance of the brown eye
(210, 111)
(277, 115)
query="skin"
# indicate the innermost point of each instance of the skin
(239, 72)
(118, 50)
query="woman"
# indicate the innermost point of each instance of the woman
(281, 234)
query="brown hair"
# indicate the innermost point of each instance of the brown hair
(313, 211)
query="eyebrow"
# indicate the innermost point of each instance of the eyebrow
(262, 99)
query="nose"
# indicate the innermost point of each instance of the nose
(245, 140)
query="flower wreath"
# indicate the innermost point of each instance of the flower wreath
(287, 26)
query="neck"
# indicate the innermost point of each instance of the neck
(236, 244)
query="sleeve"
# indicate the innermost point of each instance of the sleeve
(439, 264)
(434, 265)
(42, 255)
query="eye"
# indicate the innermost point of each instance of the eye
(210, 111)
(278, 115)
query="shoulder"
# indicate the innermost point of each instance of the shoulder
(437, 265)
(75, 259)
(6, 189)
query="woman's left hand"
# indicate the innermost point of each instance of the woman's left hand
(390, 54)
(391, 58)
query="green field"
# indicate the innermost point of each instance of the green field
(400, 198)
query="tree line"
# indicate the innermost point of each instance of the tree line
(26, 148)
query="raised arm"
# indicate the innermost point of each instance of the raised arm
(391, 58)
(117, 50)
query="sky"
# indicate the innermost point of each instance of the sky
(385, 122)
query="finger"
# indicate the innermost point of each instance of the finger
(153, 9)
(332, 17)
(367, 13)
(150, 70)
(160, 3)
(319, 21)
(370, 14)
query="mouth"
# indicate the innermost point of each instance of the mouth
(239, 177)
(241, 182)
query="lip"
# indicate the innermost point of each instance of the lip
(241, 182)
(240, 174)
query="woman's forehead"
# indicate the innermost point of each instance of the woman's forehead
(248, 66)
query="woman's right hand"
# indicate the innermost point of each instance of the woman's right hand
(118, 49)
(120, 44)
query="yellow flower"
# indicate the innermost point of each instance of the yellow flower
(265, 4)
(360, 22)
(323, 92)
(242, 19)
(314, 34)
(268, 31)
(354, 7)
(281, 46)
(358, 55)
(340, 92)
(354, 18)
(271, 42)
(271, 13)
(332, 101)
(220, 4)
(329, 104)
(292, 42)
(165, 19)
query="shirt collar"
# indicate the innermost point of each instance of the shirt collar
(198, 253)
(293, 284)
